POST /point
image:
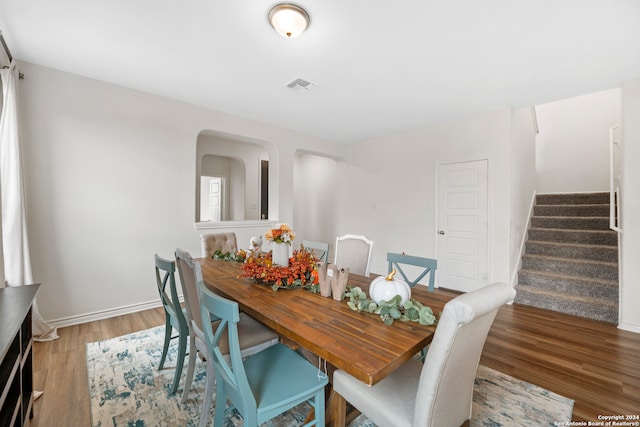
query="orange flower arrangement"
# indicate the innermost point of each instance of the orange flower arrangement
(300, 273)
(281, 234)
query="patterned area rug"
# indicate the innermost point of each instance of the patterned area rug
(126, 389)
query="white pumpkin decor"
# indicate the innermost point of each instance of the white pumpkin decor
(385, 288)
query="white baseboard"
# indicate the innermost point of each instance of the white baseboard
(104, 314)
(631, 327)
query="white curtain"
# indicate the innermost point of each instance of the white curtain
(15, 245)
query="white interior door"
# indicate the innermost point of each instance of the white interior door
(215, 198)
(462, 225)
(211, 203)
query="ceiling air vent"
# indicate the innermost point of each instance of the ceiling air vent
(301, 85)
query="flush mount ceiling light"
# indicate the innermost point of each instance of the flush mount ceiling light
(288, 19)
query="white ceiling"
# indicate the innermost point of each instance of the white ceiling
(379, 67)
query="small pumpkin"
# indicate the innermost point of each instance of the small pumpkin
(385, 288)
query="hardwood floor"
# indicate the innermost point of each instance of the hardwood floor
(592, 362)
(60, 369)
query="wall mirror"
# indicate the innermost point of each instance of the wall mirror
(232, 179)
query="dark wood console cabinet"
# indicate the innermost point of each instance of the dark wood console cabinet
(16, 349)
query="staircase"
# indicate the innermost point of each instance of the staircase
(570, 263)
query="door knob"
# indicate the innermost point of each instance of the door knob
(441, 232)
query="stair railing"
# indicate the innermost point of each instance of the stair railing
(614, 180)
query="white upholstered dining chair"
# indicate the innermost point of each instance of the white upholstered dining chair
(253, 335)
(440, 391)
(354, 251)
(319, 249)
(225, 242)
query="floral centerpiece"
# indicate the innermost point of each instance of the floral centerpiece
(301, 271)
(281, 238)
(281, 234)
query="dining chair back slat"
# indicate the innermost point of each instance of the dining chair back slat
(427, 266)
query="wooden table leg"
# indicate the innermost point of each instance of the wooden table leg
(336, 410)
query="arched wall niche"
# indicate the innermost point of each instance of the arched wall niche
(240, 162)
(316, 193)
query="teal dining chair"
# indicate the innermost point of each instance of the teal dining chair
(427, 266)
(263, 385)
(174, 315)
(253, 335)
(319, 249)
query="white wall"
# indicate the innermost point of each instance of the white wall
(572, 150)
(110, 181)
(630, 207)
(316, 193)
(391, 187)
(523, 184)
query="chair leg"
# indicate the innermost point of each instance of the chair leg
(167, 339)
(193, 353)
(318, 404)
(182, 351)
(423, 354)
(337, 409)
(221, 403)
(209, 388)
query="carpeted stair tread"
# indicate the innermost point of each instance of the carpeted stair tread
(571, 222)
(571, 210)
(571, 231)
(574, 217)
(573, 198)
(579, 298)
(576, 245)
(592, 308)
(575, 267)
(585, 262)
(572, 250)
(572, 285)
(585, 279)
(593, 237)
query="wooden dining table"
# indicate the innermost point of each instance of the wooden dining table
(358, 343)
